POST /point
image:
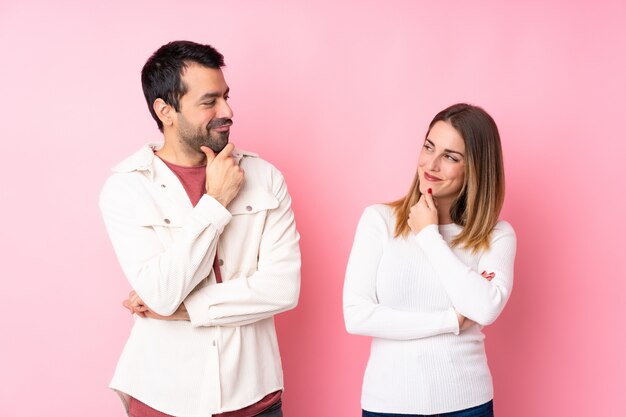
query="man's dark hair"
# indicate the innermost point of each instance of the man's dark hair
(161, 75)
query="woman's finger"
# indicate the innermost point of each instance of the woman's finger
(127, 305)
(430, 200)
(136, 301)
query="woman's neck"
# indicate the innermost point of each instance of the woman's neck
(443, 211)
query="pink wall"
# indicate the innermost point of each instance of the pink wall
(337, 95)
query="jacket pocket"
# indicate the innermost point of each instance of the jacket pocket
(151, 215)
(252, 202)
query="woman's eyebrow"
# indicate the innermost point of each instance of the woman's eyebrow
(445, 150)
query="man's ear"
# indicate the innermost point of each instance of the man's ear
(164, 112)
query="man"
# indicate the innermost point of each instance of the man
(206, 236)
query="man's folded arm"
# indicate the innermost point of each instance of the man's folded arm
(275, 285)
(162, 277)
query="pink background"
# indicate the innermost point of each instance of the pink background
(338, 96)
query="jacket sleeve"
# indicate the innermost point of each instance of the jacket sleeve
(273, 288)
(472, 295)
(363, 314)
(161, 276)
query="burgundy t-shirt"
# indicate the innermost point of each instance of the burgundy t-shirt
(193, 180)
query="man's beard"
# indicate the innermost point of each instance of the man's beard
(203, 136)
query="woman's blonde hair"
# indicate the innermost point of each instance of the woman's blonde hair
(480, 200)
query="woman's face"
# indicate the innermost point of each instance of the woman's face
(441, 164)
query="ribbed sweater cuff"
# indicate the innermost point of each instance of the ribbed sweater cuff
(427, 234)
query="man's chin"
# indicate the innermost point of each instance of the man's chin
(215, 146)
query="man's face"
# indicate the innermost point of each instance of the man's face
(205, 116)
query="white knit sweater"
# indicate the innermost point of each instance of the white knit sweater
(404, 293)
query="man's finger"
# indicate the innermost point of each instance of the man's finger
(226, 152)
(210, 155)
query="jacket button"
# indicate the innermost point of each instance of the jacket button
(167, 221)
(249, 208)
(162, 185)
(220, 262)
(214, 343)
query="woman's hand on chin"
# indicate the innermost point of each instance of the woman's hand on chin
(424, 213)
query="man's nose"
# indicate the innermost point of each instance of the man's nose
(225, 112)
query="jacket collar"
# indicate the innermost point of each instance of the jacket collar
(143, 159)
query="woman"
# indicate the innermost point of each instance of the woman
(428, 271)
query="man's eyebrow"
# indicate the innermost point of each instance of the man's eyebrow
(445, 150)
(206, 96)
(209, 95)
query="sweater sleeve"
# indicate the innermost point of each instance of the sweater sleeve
(363, 314)
(472, 295)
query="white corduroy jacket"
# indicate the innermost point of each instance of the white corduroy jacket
(227, 356)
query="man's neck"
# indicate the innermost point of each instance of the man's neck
(180, 154)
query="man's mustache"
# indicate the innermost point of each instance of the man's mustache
(219, 123)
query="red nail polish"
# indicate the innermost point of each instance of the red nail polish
(430, 191)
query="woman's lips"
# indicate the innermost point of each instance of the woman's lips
(430, 178)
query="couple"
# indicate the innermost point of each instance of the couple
(205, 234)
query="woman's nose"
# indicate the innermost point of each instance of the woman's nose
(433, 163)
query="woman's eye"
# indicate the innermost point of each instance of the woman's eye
(452, 158)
